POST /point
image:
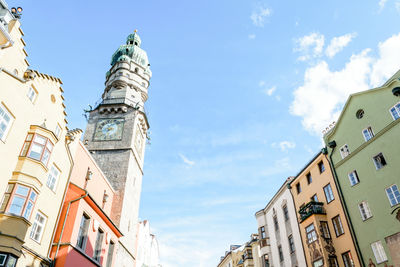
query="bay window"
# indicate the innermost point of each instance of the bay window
(18, 200)
(37, 147)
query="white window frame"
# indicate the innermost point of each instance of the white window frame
(365, 211)
(379, 252)
(311, 233)
(32, 97)
(370, 133)
(5, 112)
(344, 151)
(380, 166)
(355, 175)
(52, 178)
(394, 192)
(4, 259)
(329, 196)
(396, 108)
(37, 224)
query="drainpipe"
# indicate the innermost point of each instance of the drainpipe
(69, 140)
(65, 220)
(332, 145)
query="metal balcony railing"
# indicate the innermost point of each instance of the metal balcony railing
(311, 208)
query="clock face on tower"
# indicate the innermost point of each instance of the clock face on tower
(109, 129)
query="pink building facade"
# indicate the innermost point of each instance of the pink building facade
(85, 235)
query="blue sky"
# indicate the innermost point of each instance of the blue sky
(240, 93)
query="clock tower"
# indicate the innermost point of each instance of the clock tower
(116, 136)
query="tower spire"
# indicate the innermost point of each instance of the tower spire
(128, 79)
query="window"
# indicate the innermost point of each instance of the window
(291, 244)
(393, 195)
(353, 177)
(37, 147)
(318, 263)
(57, 131)
(332, 262)
(328, 193)
(347, 259)
(110, 254)
(38, 227)
(337, 225)
(280, 253)
(309, 178)
(314, 198)
(359, 114)
(344, 151)
(311, 234)
(276, 223)
(19, 200)
(54, 173)
(31, 94)
(379, 252)
(97, 247)
(83, 229)
(298, 188)
(7, 260)
(321, 167)
(5, 122)
(379, 161)
(364, 210)
(325, 230)
(395, 111)
(368, 133)
(285, 212)
(262, 231)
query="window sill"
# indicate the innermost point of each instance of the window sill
(367, 218)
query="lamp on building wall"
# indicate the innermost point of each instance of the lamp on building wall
(88, 177)
(105, 198)
(17, 12)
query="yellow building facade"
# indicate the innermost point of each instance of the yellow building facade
(35, 161)
(326, 236)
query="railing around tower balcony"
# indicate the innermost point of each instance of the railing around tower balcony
(311, 208)
(119, 100)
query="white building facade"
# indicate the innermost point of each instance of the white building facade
(280, 240)
(147, 251)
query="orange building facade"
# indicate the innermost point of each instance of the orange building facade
(326, 236)
(85, 235)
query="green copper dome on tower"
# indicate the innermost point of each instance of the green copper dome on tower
(131, 51)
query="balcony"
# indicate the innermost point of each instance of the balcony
(311, 208)
(12, 233)
(264, 242)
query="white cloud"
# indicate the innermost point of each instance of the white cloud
(321, 97)
(284, 145)
(269, 91)
(261, 83)
(310, 46)
(397, 5)
(252, 36)
(186, 160)
(382, 4)
(338, 43)
(259, 15)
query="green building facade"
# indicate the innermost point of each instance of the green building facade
(364, 148)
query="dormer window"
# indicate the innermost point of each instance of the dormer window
(131, 42)
(136, 43)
